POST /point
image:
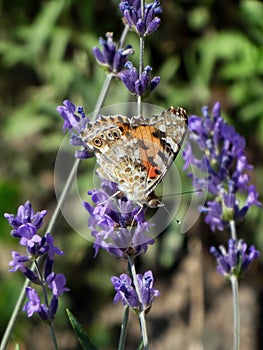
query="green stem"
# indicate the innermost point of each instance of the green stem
(50, 323)
(141, 62)
(235, 296)
(233, 229)
(124, 326)
(123, 35)
(236, 315)
(108, 79)
(14, 317)
(142, 311)
(103, 94)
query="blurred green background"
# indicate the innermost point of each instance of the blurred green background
(204, 51)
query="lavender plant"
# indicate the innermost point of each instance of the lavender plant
(119, 225)
(223, 171)
(25, 226)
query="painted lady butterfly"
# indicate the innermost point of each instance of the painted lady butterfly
(135, 152)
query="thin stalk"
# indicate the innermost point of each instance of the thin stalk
(103, 94)
(233, 229)
(141, 61)
(235, 297)
(144, 330)
(16, 312)
(124, 326)
(142, 311)
(236, 315)
(141, 64)
(130, 259)
(50, 322)
(108, 79)
(123, 35)
(20, 301)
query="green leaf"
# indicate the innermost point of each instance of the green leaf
(81, 333)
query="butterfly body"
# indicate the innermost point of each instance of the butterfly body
(136, 152)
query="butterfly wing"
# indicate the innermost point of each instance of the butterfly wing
(118, 154)
(136, 153)
(160, 138)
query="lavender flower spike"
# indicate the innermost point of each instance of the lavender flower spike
(33, 304)
(25, 216)
(236, 260)
(25, 226)
(74, 118)
(110, 57)
(117, 224)
(138, 87)
(125, 291)
(223, 167)
(143, 25)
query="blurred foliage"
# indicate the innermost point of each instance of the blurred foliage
(204, 51)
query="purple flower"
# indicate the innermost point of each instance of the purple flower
(71, 118)
(25, 226)
(19, 263)
(126, 292)
(52, 249)
(143, 25)
(216, 152)
(75, 118)
(57, 283)
(117, 224)
(139, 87)
(28, 235)
(25, 216)
(33, 305)
(236, 260)
(110, 57)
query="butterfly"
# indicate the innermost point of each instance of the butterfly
(136, 152)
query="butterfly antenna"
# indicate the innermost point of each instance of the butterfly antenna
(177, 194)
(135, 216)
(168, 212)
(180, 193)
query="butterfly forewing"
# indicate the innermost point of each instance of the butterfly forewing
(136, 152)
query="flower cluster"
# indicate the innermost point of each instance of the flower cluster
(111, 57)
(236, 260)
(126, 292)
(117, 224)
(136, 85)
(115, 59)
(144, 24)
(25, 227)
(223, 167)
(75, 118)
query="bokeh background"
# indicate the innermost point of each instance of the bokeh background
(204, 51)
